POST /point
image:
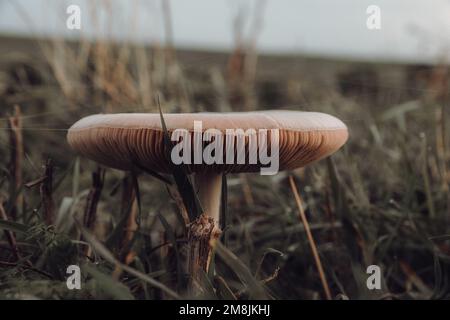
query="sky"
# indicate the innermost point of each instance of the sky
(411, 30)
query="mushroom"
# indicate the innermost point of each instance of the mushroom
(123, 141)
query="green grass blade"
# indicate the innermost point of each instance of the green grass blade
(109, 286)
(254, 287)
(13, 226)
(101, 250)
(184, 184)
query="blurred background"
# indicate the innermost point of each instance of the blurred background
(383, 199)
(411, 30)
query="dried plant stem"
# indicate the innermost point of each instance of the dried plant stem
(130, 230)
(426, 179)
(90, 211)
(129, 209)
(201, 232)
(310, 238)
(175, 195)
(167, 17)
(93, 198)
(441, 146)
(46, 190)
(15, 165)
(10, 236)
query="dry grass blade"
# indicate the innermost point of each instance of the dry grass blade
(16, 159)
(441, 145)
(171, 235)
(247, 190)
(137, 192)
(182, 214)
(129, 210)
(426, 178)
(223, 209)
(310, 239)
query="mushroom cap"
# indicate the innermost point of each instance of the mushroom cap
(125, 140)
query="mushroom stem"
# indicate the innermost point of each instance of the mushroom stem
(209, 186)
(206, 227)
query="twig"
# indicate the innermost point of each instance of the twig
(310, 239)
(273, 276)
(35, 182)
(264, 281)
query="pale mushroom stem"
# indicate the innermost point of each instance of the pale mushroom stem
(209, 186)
(206, 227)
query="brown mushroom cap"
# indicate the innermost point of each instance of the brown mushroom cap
(124, 140)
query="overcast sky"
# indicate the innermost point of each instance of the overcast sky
(410, 29)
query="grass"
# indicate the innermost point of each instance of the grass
(383, 199)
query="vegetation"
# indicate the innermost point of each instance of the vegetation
(383, 199)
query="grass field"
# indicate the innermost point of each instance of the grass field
(381, 200)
